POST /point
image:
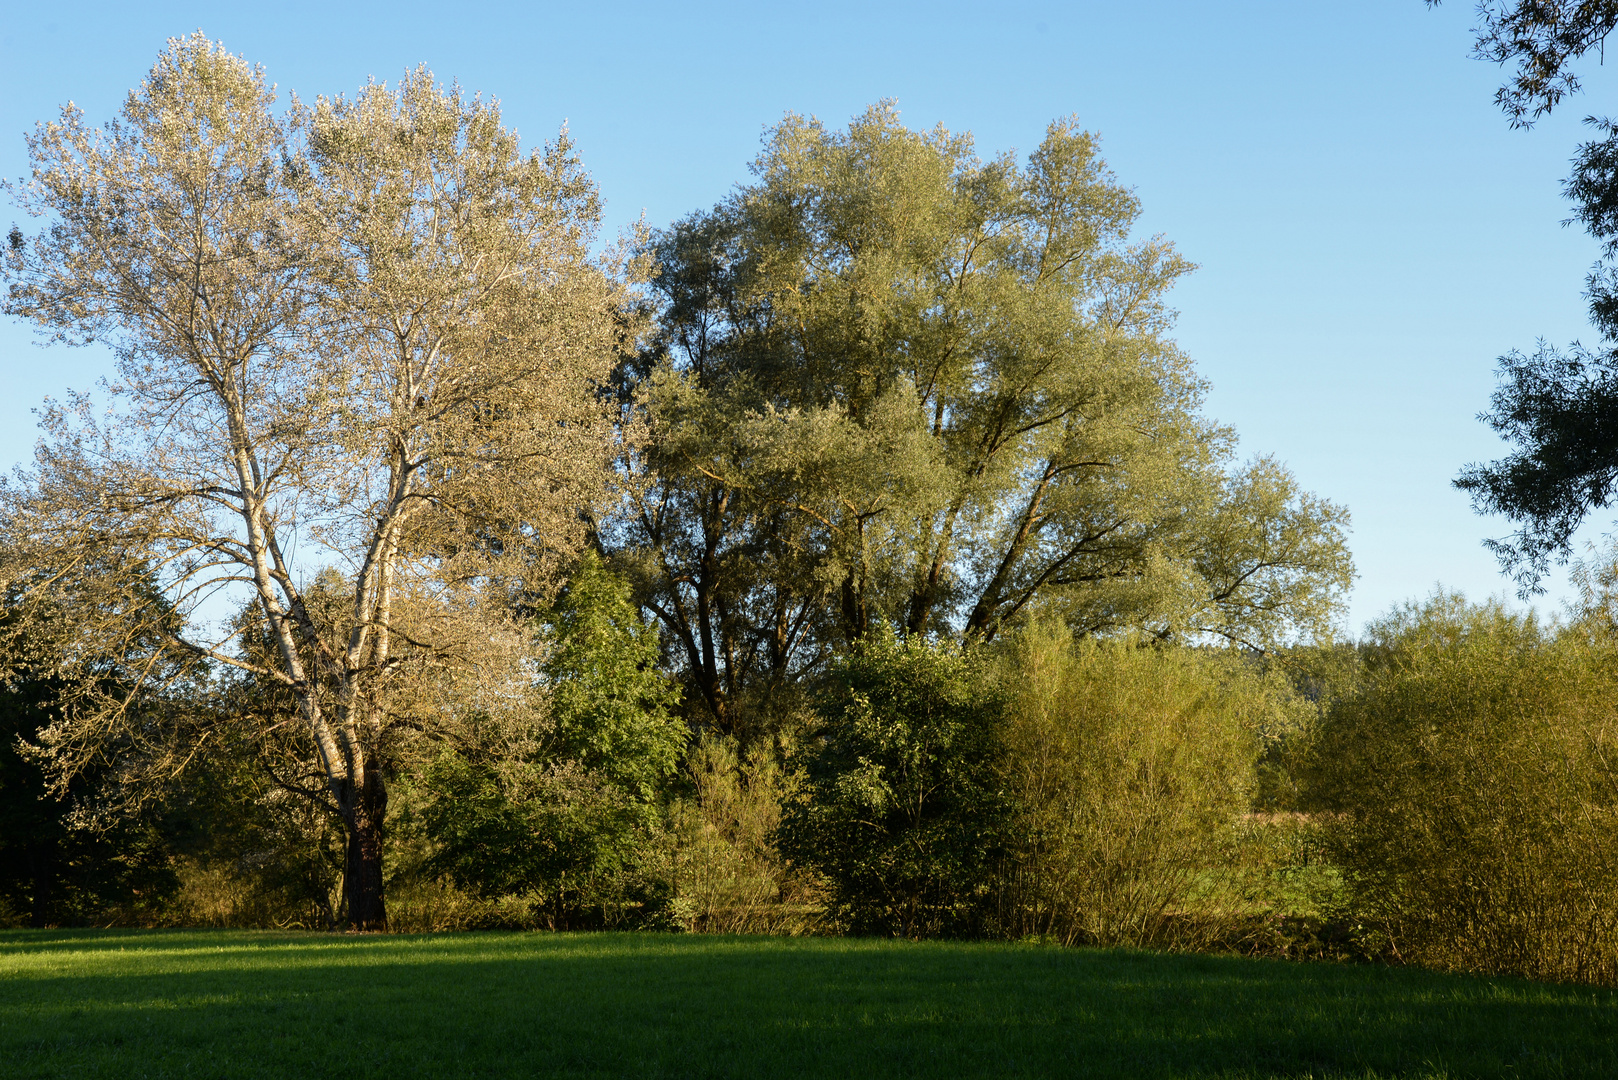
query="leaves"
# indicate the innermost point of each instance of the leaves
(902, 811)
(896, 381)
(366, 337)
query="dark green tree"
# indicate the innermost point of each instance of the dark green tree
(56, 870)
(566, 809)
(904, 810)
(1558, 407)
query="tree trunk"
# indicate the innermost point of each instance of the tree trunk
(362, 872)
(41, 865)
(856, 616)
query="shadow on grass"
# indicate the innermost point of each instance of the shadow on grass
(234, 1004)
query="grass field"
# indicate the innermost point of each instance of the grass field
(217, 1004)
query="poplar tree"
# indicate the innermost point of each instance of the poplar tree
(358, 347)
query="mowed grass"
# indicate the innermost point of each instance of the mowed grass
(218, 1004)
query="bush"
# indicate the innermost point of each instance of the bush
(1130, 768)
(568, 815)
(558, 836)
(1466, 788)
(902, 811)
(1095, 792)
(725, 871)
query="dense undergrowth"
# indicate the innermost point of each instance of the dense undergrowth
(1442, 794)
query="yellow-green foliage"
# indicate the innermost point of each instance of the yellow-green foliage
(1131, 767)
(1466, 788)
(429, 907)
(724, 869)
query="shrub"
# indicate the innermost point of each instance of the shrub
(725, 871)
(1466, 788)
(902, 810)
(559, 836)
(1130, 768)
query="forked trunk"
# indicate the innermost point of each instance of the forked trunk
(362, 872)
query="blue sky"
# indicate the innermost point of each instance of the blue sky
(1370, 233)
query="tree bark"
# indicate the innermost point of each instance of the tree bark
(41, 865)
(362, 872)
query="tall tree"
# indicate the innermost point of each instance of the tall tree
(366, 335)
(898, 382)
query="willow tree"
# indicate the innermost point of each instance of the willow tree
(1558, 407)
(896, 381)
(358, 347)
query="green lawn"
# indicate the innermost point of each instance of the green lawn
(214, 1004)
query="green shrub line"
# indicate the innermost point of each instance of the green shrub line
(1441, 794)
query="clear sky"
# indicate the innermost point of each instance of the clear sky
(1370, 233)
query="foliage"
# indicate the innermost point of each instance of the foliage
(902, 811)
(54, 870)
(367, 332)
(1131, 768)
(1559, 409)
(609, 700)
(1544, 38)
(1556, 406)
(248, 852)
(726, 872)
(419, 906)
(1559, 406)
(561, 838)
(897, 382)
(570, 813)
(1466, 789)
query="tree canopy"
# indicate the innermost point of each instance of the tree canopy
(361, 337)
(1557, 406)
(1543, 38)
(897, 382)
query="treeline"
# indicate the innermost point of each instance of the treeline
(1442, 793)
(852, 556)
